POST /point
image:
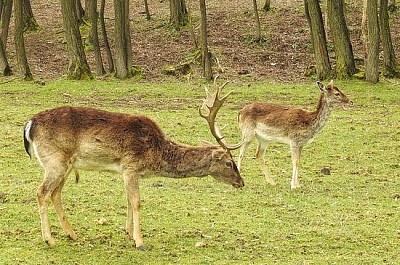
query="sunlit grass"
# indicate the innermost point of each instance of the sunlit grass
(350, 216)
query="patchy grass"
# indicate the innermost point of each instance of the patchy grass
(350, 216)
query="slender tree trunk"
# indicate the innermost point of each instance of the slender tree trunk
(372, 70)
(78, 67)
(257, 19)
(5, 69)
(123, 48)
(267, 5)
(318, 36)
(80, 12)
(30, 23)
(19, 40)
(105, 38)
(94, 36)
(206, 55)
(5, 21)
(389, 60)
(146, 10)
(345, 66)
(178, 13)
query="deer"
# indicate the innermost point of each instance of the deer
(66, 139)
(296, 127)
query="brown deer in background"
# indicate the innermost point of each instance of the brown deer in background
(68, 139)
(293, 126)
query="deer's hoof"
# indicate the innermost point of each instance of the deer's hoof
(142, 247)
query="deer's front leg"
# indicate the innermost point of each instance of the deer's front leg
(132, 223)
(296, 151)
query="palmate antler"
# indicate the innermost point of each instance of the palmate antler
(212, 103)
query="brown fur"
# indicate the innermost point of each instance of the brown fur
(68, 139)
(294, 126)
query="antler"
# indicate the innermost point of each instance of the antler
(212, 103)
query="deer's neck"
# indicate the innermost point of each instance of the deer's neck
(180, 161)
(322, 113)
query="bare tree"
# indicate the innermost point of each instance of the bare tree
(105, 38)
(178, 13)
(372, 60)
(206, 55)
(94, 36)
(78, 67)
(389, 59)
(257, 20)
(267, 5)
(123, 46)
(19, 40)
(345, 66)
(30, 23)
(318, 37)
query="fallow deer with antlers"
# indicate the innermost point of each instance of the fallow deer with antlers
(293, 126)
(69, 139)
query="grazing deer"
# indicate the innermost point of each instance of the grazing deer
(68, 139)
(293, 126)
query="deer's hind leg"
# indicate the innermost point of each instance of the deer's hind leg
(55, 174)
(57, 202)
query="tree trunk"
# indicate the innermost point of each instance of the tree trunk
(390, 67)
(78, 67)
(5, 21)
(372, 64)
(364, 31)
(258, 25)
(105, 38)
(94, 36)
(80, 12)
(178, 13)
(123, 48)
(345, 66)
(5, 69)
(267, 5)
(206, 56)
(318, 37)
(19, 40)
(146, 10)
(30, 23)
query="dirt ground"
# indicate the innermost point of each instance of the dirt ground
(283, 55)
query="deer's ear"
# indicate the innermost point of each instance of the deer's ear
(320, 86)
(218, 154)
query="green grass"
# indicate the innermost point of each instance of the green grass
(348, 217)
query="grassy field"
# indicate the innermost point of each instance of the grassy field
(348, 217)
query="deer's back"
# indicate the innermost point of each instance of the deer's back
(86, 133)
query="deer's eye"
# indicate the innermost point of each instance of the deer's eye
(229, 164)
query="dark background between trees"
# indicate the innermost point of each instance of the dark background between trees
(280, 40)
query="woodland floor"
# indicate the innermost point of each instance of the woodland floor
(283, 55)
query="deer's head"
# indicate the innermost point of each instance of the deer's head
(334, 95)
(223, 167)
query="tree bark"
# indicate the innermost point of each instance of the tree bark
(94, 35)
(19, 40)
(78, 67)
(30, 23)
(206, 56)
(267, 5)
(5, 69)
(345, 66)
(123, 48)
(5, 21)
(105, 38)
(390, 67)
(178, 13)
(257, 19)
(372, 63)
(318, 37)
(146, 10)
